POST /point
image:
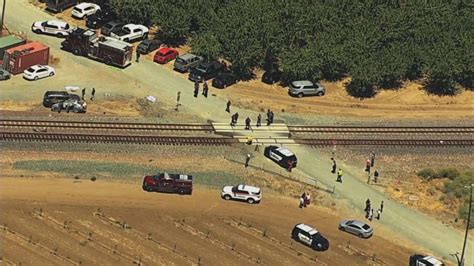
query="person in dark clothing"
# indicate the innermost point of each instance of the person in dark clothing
(138, 56)
(271, 117)
(381, 206)
(236, 118)
(205, 89)
(227, 108)
(232, 120)
(334, 166)
(247, 160)
(367, 205)
(372, 158)
(376, 176)
(83, 93)
(367, 166)
(196, 89)
(290, 165)
(68, 108)
(259, 120)
(268, 117)
(247, 123)
(93, 94)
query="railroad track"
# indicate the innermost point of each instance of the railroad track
(102, 138)
(383, 130)
(385, 142)
(15, 124)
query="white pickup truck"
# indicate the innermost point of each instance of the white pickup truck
(130, 32)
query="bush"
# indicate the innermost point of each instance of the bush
(449, 172)
(360, 89)
(426, 173)
(93, 178)
(463, 213)
(457, 185)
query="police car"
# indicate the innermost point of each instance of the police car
(53, 27)
(281, 156)
(309, 236)
(242, 192)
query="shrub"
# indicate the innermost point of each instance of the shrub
(457, 185)
(426, 173)
(463, 213)
(449, 172)
(93, 178)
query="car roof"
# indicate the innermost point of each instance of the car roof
(356, 222)
(285, 151)
(187, 56)
(302, 83)
(304, 227)
(56, 22)
(165, 50)
(84, 5)
(36, 67)
(248, 188)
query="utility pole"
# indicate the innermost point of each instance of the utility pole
(461, 262)
(3, 17)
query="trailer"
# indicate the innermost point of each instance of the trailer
(104, 49)
(19, 58)
(8, 42)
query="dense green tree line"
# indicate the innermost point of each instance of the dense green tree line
(378, 43)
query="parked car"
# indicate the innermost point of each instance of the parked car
(306, 88)
(309, 236)
(356, 227)
(224, 80)
(100, 18)
(242, 192)
(423, 260)
(165, 54)
(205, 71)
(271, 76)
(4, 75)
(111, 26)
(185, 62)
(54, 27)
(52, 97)
(38, 72)
(281, 156)
(149, 45)
(83, 10)
(70, 105)
(59, 5)
(130, 33)
(171, 183)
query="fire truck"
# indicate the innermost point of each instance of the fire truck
(111, 51)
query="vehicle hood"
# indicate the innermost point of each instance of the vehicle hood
(227, 189)
(148, 178)
(38, 24)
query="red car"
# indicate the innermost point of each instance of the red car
(165, 54)
(171, 183)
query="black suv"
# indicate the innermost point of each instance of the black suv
(111, 26)
(205, 71)
(52, 97)
(147, 46)
(224, 80)
(99, 19)
(309, 236)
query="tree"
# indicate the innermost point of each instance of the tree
(206, 45)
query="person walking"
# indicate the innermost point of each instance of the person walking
(259, 120)
(138, 56)
(247, 123)
(268, 117)
(236, 120)
(376, 176)
(227, 108)
(93, 94)
(367, 205)
(205, 89)
(367, 166)
(372, 158)
(334, 165)
(339, 176)
(83, 93)
(271, 117)
(381, 206)
(232, 120)
(247, 160)
(378, 214)
(196, 89)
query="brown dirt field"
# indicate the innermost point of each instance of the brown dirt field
(57, 220)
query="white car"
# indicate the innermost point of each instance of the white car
(83, 10)
(130, 32)
(54, 27)
(37, 72)
(242, 192)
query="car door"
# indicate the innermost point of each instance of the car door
(50, 28)
(275, 155)
(353, 229)
(41, 73)
(304, 237)
(88, 10)
(137, 33)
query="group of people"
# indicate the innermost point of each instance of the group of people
(205, 89)
(333, 170)
(368, 165)
(369, 211)
(248, 121)
(84, 94)
(305, 200)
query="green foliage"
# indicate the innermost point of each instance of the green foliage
(379, 44)
(459, 187)
(449, 172)
(426, 173)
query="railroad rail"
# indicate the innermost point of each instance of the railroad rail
(385, 142)
(104, 125)
(102, 138)
(382, 129)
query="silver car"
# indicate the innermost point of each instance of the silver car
(4, 75)
(305, 88)
(358, 228)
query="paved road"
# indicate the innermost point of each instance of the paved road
(149, 78)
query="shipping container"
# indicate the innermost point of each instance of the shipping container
(22, 57)
(8, 42)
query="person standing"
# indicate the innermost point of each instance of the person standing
(378, 214)
(367, 205)
(138, 56)
(93, 94)
(371, 214)
(205, 89)
(290, 165)
(236, 120)
(334, 166)
(227, 108)
(196, 89)
(247, 123)
(339, 176)
(367, 166)
(368, 178)
(376, 176)
(271, 117)
(232, 120)
(83, 93)
(372, 158)
(259, 120)
(268, 117)
(247, 160)
(381, 206)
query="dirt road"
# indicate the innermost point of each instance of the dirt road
(57, 221)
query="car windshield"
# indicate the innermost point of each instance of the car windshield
(180, 60)
(366, 226)
(44, 23)
(66, 27)
(30, 69)
(77, 9)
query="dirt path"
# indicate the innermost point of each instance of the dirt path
(58, 215)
